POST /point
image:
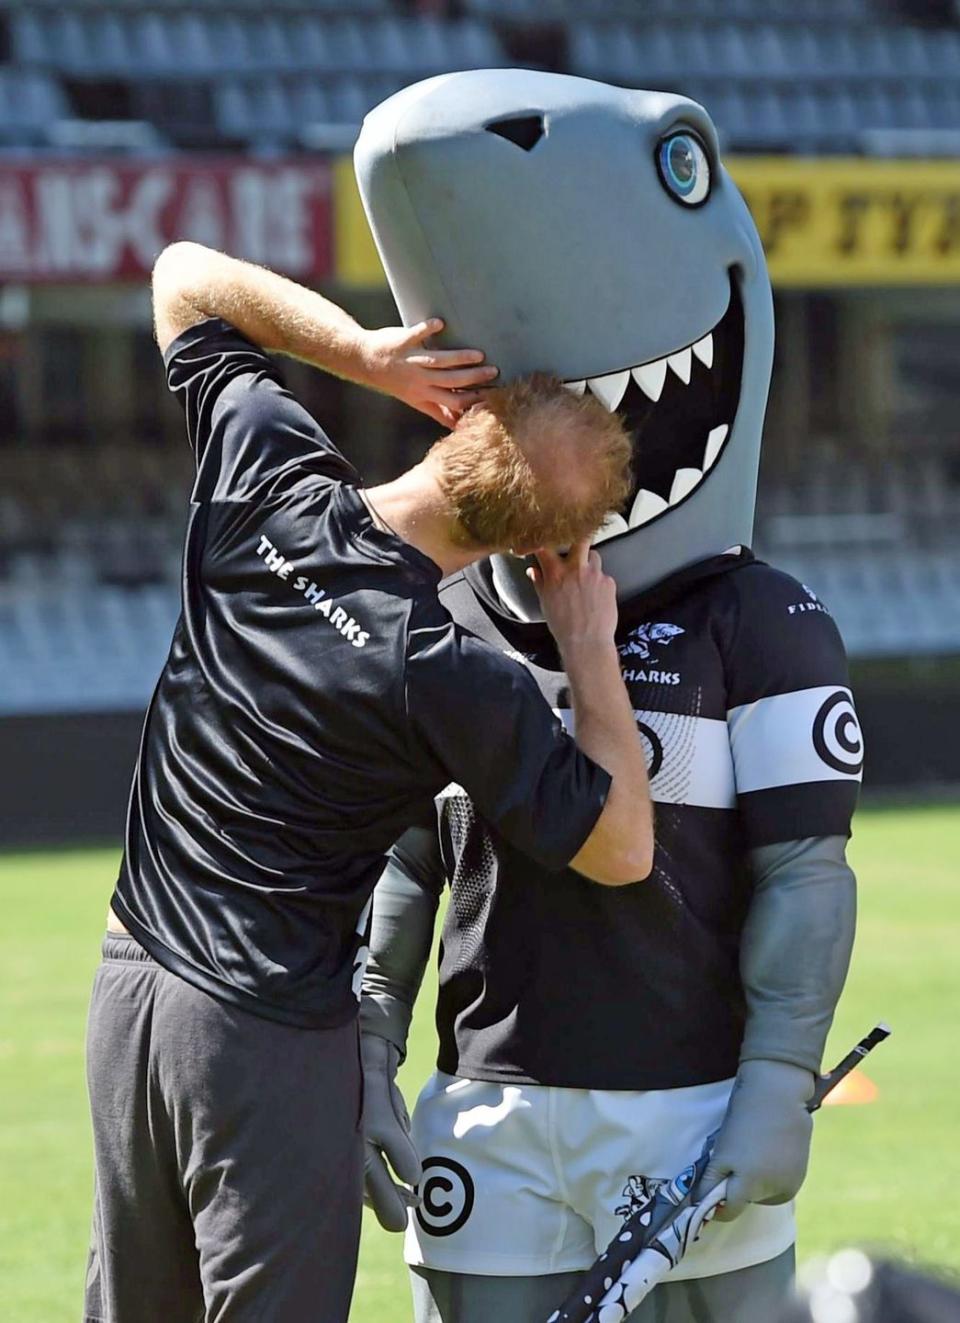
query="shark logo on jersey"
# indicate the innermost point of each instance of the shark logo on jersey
(639, 1193)
(638, 641)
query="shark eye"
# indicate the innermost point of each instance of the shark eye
(684, 168)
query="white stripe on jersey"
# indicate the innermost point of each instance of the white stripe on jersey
(688, 758)
(793, 739)
(788, 739)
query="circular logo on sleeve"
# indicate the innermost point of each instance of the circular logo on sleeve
(446, 1196)
(836, 734)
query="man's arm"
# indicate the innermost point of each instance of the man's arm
(192, 283)
(620, 847)
(580, 606)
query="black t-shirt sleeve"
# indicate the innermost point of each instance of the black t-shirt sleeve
(796, 742)
(250, 437)
(482, 723)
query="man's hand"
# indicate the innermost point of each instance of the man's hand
(579, 601)
(441, 383)
(764, 1143)
(386, 1132)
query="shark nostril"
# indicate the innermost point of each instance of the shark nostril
(524, 130)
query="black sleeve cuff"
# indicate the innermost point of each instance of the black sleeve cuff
(790, 813)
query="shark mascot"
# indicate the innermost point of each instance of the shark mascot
(589, 1038)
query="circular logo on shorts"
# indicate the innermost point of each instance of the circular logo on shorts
(446, 1196)
(836, 734)
(656, 748)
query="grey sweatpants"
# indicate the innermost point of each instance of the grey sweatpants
(749, 1295)
(228, 1156)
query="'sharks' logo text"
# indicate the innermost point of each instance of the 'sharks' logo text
(317, 597)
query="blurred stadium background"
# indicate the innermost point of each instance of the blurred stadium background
(125, 125)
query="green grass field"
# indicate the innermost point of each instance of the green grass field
(884, 1174)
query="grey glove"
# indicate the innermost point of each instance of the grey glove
(386, 1133)
(764, 1142)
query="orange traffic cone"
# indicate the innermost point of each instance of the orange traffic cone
(854, 1088)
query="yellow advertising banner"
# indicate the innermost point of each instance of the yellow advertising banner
(851, 221)
(825, 221)
(355, 260)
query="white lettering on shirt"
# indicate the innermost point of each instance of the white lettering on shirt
(282, 567)
(634, 675)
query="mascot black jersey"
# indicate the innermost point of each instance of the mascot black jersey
(738, 678)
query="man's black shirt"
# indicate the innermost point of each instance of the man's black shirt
(315, 697)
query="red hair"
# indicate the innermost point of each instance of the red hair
(534, 465)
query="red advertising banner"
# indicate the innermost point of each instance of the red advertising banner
(97, 220)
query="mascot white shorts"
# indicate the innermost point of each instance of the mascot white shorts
(522, 1180)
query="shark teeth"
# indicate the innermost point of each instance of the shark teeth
(682, 365)
(704, 350)
(646, 506)
(714, 445)
(611, 527)
(651, 377)
(609, 389)
(684, 481)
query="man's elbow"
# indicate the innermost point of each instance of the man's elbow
(620, 849)
(626, 867)
(175, 283)
(177, 263)
(618, 863)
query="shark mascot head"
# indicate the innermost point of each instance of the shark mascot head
(591, 232)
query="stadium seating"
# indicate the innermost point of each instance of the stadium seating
(793, 86)
(90, 546)
(83, 650)
(879, 545)
(30, 102)
(823, 75)
(90, 563)
(571, 10)
(191, 43)
(237, 73)
(89, 559)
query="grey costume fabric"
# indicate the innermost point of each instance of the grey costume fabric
(752, 1295)
(228, 1156)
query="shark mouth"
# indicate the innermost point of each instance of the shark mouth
(680, 410)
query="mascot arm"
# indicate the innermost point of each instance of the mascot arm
(795, 948)
(401, 932)
(794, 956)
